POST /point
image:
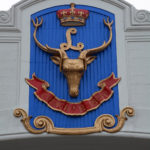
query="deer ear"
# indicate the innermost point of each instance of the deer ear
(89, 59)
(55, 59)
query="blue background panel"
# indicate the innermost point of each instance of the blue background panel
(92, 35)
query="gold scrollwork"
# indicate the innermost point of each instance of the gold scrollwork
(104, 122)
(68, 45)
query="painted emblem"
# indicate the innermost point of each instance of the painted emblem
(83, 96)
(73, 69)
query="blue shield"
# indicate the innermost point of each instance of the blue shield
(93, 34)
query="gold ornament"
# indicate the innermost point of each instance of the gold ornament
(73, 69)
(104, 122)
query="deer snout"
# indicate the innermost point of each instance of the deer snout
(73, 69)
(73, 92)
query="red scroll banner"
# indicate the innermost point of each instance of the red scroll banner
(73, 109)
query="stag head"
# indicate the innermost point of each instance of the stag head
(73, 69)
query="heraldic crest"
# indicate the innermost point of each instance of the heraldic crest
(81, 95)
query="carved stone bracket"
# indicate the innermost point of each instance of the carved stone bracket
(104, 122)
(142, 16)
(4, 17)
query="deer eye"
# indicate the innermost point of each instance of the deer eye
(80, 70)
(65, 70)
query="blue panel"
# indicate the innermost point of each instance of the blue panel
(92, 35)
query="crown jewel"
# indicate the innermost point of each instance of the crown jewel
(72, 16)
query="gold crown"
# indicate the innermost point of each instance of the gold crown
(72, 16)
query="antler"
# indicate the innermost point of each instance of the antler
(89, 52)
(46, 48)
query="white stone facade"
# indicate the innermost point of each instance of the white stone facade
(133, 54)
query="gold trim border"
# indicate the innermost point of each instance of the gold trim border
(104, 122)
